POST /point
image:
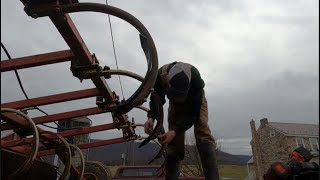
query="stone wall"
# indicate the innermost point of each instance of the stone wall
(267, 149)
(272, 148)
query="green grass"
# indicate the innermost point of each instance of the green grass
(233, 171)
(225, 171)
(113, 169)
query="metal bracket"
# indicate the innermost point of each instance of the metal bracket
(107, 104)
(41, 8)
(89, 71)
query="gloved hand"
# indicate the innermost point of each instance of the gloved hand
(148, 126)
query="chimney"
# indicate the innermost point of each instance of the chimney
(256, 150)
(253, 126)
(263, 122)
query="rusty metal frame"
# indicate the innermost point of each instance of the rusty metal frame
(36, 60)
(80, 58)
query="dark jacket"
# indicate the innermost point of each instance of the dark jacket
(194, 99)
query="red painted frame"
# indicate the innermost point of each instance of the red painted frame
(78, 52)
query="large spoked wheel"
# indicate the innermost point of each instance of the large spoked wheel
(96, 171)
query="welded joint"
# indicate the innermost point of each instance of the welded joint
(88, 71)
(91, 71)
(132, 138)
(119, 124)
(116, 122)
(103, 103)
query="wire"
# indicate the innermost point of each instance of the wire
(114, 52)
(15, 71)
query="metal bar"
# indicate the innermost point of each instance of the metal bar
(36, 60)
(61, 116)
(71, 35)
(16, 121)
(66, 133)
(52, 99)
(13, 120)
(102, 143)
(82, 146)
(69, 32)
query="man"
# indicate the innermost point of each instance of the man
(182, 84)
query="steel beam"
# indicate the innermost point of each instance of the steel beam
(52, 99)
(66, 133)
(36, 60)
(13, 120)
(81, 146)
(69, 32)
(61, 116)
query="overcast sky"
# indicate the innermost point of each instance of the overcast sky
(259, 59)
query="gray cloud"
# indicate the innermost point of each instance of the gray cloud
(258, 59)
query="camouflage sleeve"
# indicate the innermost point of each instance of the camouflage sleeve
(152, 113)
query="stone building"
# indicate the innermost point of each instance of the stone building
(274, 141)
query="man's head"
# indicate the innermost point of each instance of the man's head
(179, 78)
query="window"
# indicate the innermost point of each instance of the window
(139, 172)
(299, 142)
(314, 143)
(272, 133)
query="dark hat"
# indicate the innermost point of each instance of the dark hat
(179, 78)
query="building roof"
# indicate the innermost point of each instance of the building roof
(296, 129)
(250, 160)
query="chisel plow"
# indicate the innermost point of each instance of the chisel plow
(33, 141)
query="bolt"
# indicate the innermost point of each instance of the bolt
(57, 9)
(35, 16)
(116, 120)
(125, 135)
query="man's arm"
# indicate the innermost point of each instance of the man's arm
(152, 113)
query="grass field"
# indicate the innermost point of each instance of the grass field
(233, 171)
(225, 171)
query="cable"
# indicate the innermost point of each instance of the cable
(114, 52)
(68, 155)
(15, 71)
(59, 126)
(81, 158)
(25, 94)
